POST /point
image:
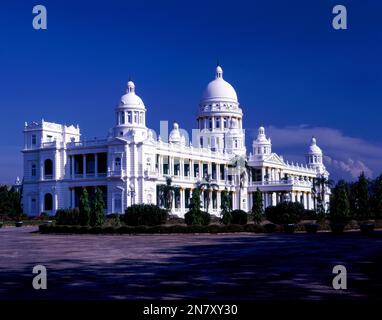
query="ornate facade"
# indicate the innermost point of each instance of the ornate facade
(130, 164)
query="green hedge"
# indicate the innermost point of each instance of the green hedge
(152, 229)
(197, 218)
(239, 217)
(145, 214)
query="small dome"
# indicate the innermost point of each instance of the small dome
(219, 89)
(261, 137)
(314, 148)
(130, 98)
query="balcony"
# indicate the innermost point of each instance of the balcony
(87, 143)
(288, 182)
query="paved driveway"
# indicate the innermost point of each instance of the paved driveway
(227, 266)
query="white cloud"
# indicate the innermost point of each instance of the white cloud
(345, 156)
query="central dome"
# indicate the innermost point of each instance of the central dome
(219, 90)
(130, 99)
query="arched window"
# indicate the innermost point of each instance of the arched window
(122, 115)
(48, 168)
(48, 202)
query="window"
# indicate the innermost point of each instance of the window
(48, 168)
(117, 163)
(205, 170)
(201, 142)
(217, 124)
(214, 171)
(186, 167)
(33, 170)
(140, 117)
(166, 162)
(48, 202)
(34, 139)
(135, 117)
(236, 143)
(225, 122)
(129, 117)
(222, 172)
(122, 117)
(176, 166)
(210, 123)
(196, 170)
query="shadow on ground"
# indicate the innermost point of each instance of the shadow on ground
(262, 267)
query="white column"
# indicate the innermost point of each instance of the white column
(55, 201)
(41, 171)
(273, 195)
(191, 169)
(217, 172)
(218, 200)
(182, 200)
(41, 202)
(181, 169)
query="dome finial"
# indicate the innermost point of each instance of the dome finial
(130, 86)
(314, 141)
(219, 71)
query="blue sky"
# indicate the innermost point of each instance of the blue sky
(292, 71)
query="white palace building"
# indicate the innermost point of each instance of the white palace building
(132, 162)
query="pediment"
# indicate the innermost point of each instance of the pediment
(274, 158)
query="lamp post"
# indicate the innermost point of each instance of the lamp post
(131, 192)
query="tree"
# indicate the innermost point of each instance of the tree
(225, 207)
(84, 207)
(167, 192)
(376, 197)
(97, 217)
(195, 215)
(257, 207)
(195, 200)
(339, 203)
(359, 198)
(208, 185)
(322, 183)
(10, 201)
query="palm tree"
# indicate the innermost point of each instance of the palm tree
(167, 192)
(208, 185)
(321, 182)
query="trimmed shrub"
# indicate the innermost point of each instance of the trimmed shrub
(69, 217)
(239, 217)
(145, 214)
(285, 212)
(193, 217)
